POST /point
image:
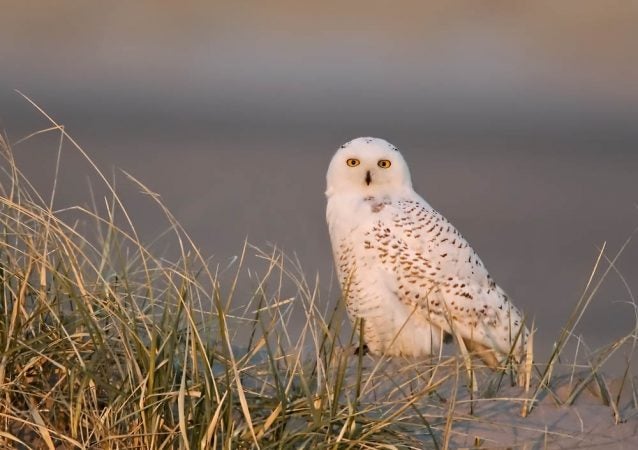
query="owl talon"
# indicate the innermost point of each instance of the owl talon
(362, 349)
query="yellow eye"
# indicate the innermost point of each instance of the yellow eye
(384, 163)
(352, 162)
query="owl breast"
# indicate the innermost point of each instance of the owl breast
(361, 245)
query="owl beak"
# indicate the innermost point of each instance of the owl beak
(368, 178)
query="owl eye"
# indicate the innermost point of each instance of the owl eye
(352, 162)
(384, 163)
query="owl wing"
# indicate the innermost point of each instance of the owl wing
(436, 270)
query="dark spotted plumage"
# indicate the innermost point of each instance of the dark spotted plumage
(405, 269)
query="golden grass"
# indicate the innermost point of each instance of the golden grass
(105, 344)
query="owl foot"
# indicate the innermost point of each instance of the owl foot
(447, 338)
(362, 349)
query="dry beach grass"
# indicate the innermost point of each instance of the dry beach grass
(104, 343)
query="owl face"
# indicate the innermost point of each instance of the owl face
(370, 166)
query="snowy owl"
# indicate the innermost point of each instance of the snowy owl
(404, 269)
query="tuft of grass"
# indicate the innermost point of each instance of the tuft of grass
(106, 344)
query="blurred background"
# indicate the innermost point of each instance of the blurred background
(519, 122)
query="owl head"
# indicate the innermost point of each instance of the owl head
(370, 166)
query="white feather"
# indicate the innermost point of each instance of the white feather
(404, 268)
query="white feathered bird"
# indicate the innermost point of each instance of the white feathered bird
(404, 269)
